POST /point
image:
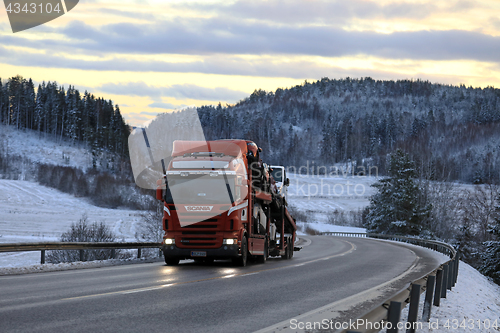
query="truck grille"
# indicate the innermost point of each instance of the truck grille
(195, 220)
(197, 241)
(200, 234)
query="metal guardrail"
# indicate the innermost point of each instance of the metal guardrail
(345, 234)
(386, 315)
(14, 247)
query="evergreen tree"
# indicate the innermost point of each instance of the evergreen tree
(29, 93)
(397, 207)
(491, 255)
(4, 102)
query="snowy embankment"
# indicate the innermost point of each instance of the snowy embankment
(473, 305)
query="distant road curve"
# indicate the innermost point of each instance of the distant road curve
(212, 298)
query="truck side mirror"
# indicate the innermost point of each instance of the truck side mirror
(287, 182)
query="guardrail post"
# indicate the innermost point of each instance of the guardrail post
(426, 314)
(445, 281)
(454, 272)
(81, 255)
(439, 284)
(450, 274)
(138, 253)
(42, 258)
(393, 316)
(458, 264)
(413, 311)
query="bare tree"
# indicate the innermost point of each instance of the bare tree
(83, 231)
(150, 229)
(446, 205)
(478, 207)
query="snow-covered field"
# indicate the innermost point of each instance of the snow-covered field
(31, 213)
(320, 196)
(44, 148)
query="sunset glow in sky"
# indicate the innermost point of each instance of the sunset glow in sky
(150, 56)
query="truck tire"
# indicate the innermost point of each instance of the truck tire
(242, 261)
(262, 259)
(289, 249)
(171, 261)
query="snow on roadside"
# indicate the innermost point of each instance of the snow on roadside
(30, 212)
(72, 265)
(325, 227)
(473, 305)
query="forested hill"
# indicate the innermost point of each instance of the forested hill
(452, 132)
(67, 114)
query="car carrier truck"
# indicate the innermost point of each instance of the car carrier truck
(222, 202)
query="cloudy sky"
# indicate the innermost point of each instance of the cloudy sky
(154, 56)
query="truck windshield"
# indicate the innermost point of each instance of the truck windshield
(277, 175)
(201, 189)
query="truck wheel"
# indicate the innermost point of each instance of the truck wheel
(171, 261)
(242, 261)
(262, 259)
(289, 249)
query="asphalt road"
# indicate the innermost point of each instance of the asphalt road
(204, 298)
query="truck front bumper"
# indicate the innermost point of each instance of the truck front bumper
(224, 252)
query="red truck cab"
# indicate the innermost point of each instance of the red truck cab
(218, 204)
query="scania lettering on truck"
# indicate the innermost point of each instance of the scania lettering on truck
(221, 202)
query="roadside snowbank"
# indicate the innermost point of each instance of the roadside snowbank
(325, 227)
(72, 265)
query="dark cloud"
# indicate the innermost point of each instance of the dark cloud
(220, 64)
(180, 91)
(206, 37)
(162, 105)
(462, 5)
(140, 89)
(202, 93)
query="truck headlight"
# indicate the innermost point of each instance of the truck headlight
(229, 241)
(169, 241)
